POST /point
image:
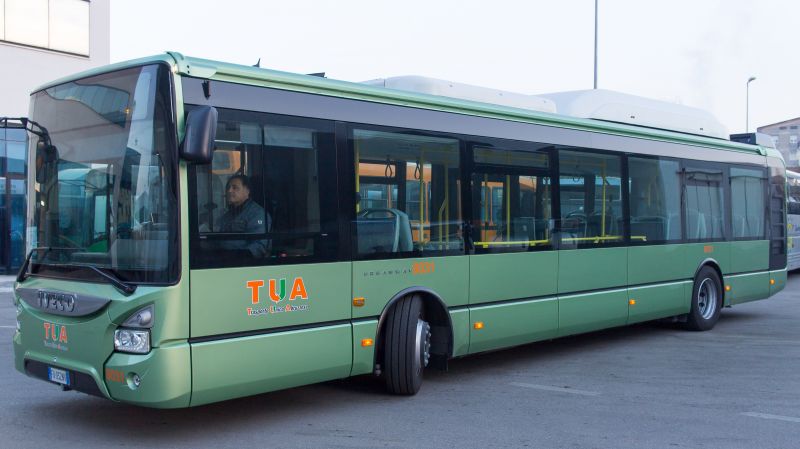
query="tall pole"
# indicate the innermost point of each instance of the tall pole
(747, 105)
(595, 44)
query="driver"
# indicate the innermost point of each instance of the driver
(244, 216)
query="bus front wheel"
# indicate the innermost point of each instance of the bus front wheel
(706, 300)
(407, 346)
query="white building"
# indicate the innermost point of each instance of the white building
(40, 40)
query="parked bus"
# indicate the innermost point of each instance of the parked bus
(200, 231)
(793, 219)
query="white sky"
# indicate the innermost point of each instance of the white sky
(699, 53)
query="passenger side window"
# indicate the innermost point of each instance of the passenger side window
(591, 199)
(655, 194)
(263, 199)
(705, 200)
(512, 200)
(747, 208)
(408, 194)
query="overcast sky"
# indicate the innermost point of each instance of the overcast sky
(695, 52)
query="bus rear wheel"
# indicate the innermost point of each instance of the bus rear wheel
(407, 346)
(706, 300)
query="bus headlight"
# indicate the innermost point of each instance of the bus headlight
(135, 341)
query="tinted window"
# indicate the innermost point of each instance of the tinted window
(747, 202)
(264, 199)
(511, 200)
(705, 213)
(408, 194)
(591, 198)
(777, 214)
(654, 200)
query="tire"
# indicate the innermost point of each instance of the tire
(407, 342)
(706, 300)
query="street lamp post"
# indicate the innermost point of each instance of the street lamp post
(747, 105)
(595, 44)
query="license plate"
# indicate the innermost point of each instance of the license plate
(58, 376)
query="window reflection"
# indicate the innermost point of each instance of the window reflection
(61, 25)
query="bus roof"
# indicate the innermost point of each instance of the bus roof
(223, 71)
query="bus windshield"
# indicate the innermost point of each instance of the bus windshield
(103, 178)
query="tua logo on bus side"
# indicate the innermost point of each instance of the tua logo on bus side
(277, 290)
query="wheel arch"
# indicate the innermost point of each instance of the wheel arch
(710, 262)
(435, 311)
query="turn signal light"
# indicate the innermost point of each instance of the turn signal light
(727, 288)
(632, 302)
(367, 342)
(478, 325)
(358, 302)
(772, 282)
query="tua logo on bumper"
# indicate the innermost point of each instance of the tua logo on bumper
(55, 336)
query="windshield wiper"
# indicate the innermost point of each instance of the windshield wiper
(108, 275)
(23, 270)
(124, 287)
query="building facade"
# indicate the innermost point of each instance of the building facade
(40, 40)
(786, 136)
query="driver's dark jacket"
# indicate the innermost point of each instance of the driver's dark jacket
(249, 218)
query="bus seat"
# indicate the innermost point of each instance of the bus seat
(652, 227)
(210, 201)
(383, 230)
(405, 241)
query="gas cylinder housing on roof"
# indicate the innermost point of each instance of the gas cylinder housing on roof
(433, 86)
(600, 104)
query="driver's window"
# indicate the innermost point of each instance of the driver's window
(268, 196)
(591, 199)
(211, 186)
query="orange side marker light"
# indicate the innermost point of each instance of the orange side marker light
(367, 342)
(772, 282)
(358, 302)
(478, 325)
(727, 288)
(632, 302)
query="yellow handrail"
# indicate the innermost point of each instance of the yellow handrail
(520, 242)
(358, 180)
(507, 193)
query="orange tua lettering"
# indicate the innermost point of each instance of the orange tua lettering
(298, 290)
(254, 287)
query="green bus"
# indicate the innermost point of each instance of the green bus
(200, 231)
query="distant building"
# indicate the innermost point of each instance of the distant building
(40, 40)
(786, 136)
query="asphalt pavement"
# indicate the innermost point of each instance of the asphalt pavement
(643, 386)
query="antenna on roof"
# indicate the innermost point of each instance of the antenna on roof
(319, 74)
(257, 64)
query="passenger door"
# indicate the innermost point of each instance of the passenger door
(270, 298)
(407, 219)
(593, 259)
(514, 268)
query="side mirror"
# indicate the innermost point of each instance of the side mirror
(201, 130)
(46, 156)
